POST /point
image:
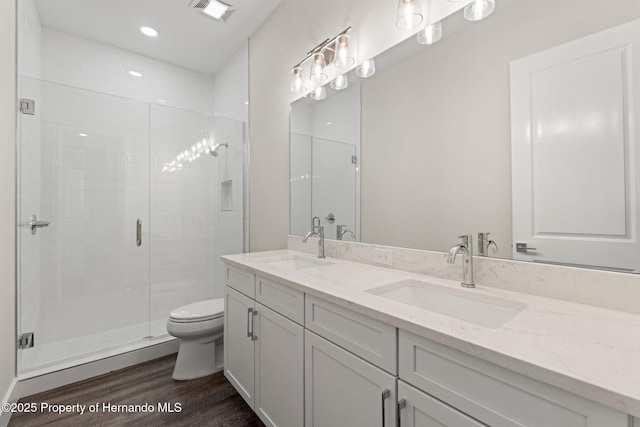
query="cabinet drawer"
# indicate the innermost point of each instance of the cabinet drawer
(240, 280)
(494, 395)
(368, 338)
(281, 299)
(422, 410)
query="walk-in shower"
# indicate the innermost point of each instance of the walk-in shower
(138, 215)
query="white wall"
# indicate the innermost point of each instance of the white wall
(83, 63)
(436, 127)
(7, 194)
(294, 28)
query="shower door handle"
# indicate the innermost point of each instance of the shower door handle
(139, 232)
(34, 224)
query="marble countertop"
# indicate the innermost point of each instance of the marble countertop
(589, 351)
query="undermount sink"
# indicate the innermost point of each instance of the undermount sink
(462, 304)
(296, 262)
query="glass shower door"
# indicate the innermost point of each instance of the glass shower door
(84, 170)
(196, 207)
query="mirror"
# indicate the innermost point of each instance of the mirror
(325, 153)
(436, 129)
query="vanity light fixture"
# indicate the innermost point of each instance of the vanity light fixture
(431, 34)
(344, 56)
(297, 81)
(366, 69)
(148, 31)
(318, 93)
(318, 64)
(409, 15)
(336, 51)
(479, 9)
(339, 83)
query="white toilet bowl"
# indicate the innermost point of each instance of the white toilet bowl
(198, 326)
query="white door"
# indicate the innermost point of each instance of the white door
(279, 369)
(418, 409)
(238, 343)
(574, 151)
(343, 390)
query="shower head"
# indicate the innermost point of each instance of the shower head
(214, 151)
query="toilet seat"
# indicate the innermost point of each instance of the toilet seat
(198, 312)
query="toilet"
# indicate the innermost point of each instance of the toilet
(198, 326)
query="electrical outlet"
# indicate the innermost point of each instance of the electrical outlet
(382, 256)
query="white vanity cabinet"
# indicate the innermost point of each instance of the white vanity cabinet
(490, 394)
(341, 389)
(299, 360)
(264, 356)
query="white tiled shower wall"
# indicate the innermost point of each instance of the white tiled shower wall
(92, 278)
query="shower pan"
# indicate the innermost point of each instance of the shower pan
(110, 240)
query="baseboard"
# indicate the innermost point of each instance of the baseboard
(58, 378)
(10, 396)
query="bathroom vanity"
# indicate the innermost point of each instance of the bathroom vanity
(330, 342)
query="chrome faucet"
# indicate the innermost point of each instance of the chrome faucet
(484, 244)
(318, 230)
(467, 260)
(341, 230)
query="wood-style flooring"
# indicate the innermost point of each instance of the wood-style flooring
(208, 401)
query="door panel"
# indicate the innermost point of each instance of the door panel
(84, 168)
(343, 390)
(574, 153)
(279, 369)
(238, 346)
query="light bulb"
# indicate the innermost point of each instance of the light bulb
(431, 34)
(409, 15)
(317, 67)
(344, 57)
(479, 9)
(297, 84)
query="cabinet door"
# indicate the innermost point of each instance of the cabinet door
(279, 369)
(343, 390)
(418, 409)
(238, 344)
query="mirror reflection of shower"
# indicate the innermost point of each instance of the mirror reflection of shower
(216, 150)
(203, 145)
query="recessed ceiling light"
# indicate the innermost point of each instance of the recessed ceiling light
(135, 74)
(216, 9)
(148, 31)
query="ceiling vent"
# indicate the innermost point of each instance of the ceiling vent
(214, 8)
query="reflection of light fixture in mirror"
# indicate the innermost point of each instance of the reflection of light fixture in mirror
(366, 69)
(479, 9)
(297, 84)
(317, 67)
(344, 57)
(336, 51)
(340, 82)
(431, 34)
(319, 93)
(135, 74)
(409, 15)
